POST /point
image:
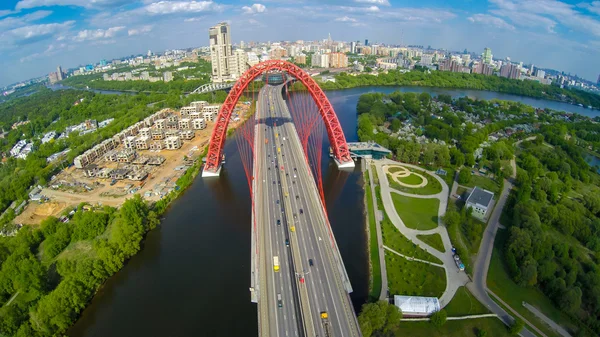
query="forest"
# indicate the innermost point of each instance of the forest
(554, 217)
(53, 271)
(446, 79)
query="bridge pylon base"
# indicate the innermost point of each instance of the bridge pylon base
(210, 173)
(344, 165)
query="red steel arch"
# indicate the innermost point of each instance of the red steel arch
(332, 124)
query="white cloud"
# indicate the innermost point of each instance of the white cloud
(254, 9)
(369, 9)
(526, 19)
(374, 2)
(24, 4)
(16, 21)
(98, 34)
(6, 12)
(487, 19)
(416, 15)
(564, 13)
(52, 49)
(193, 19)
(139, 30)
(172, 7)
(593, 7)
(345, 19)
(35, 31)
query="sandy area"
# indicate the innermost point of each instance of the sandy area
(161, 179)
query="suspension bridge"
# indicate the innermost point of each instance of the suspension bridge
(298, 278)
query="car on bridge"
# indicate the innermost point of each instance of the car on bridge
(310, 262)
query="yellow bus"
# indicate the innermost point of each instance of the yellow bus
(276, 263)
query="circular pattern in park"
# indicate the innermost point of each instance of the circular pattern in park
(406, 177)
(412, 180)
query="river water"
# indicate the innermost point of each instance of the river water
(192, 276)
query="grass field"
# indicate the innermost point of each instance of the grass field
(464, 303)
(375, 286)
(414, 278)
(416, 213)
(465, 328)
(398, 242)
(434, 240)
(499, 281)
(485, 183)
(433, 186)
(393, 169)
(412, 179)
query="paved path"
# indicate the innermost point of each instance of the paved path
(454, 279)
(11, 299)
(480, 270)
(457, 318)
(413, 258)
(384, 280)
(546, 319)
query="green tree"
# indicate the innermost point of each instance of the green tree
(516, 327)
(464, 176)
(438, 319)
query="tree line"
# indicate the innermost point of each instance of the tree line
(446, 79)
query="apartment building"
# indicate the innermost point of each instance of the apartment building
(142, 143)
(173, 143)
(198, 124)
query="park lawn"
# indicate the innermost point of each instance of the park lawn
(464, 303)
(433, 185)
(416, 213)
(413, 277)
(434, 240)
(411, 179)
(500, 282)
(375, 286)
(398, 242)
(485, 183)
(464, 328)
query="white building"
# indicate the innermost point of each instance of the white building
(173, 143)
(209, 116)
(320, 60)
(48, 137)
(129, 142)
(17, 148)
(227, 65)
(479, 201)
(412, 306)
(198, 124)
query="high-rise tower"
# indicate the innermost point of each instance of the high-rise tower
(487, 56)
(220, 51)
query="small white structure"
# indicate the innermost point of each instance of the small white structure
(413, 306)
(479, 201)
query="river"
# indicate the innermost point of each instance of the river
(192, 276)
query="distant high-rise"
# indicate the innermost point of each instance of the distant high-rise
(59, 73)
(598, 80)
(510, 70)
(487, 56)
(220, 51)
(353, 48)
(366, 42)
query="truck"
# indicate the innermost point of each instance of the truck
(279, 302)
(276, 263)
(326, 324)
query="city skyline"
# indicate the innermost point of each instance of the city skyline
(38, 35)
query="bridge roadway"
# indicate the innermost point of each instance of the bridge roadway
(285, 193)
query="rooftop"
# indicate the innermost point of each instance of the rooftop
(417, 305)
(480, 196)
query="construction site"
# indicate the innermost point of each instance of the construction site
(147, 158)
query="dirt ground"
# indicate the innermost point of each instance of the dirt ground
(160, 181)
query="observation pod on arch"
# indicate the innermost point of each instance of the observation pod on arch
(339, 147)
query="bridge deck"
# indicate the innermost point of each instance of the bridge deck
(286, 191)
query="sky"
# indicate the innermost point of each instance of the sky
(38, 35)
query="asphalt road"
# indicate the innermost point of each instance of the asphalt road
(479, 285)
(285, 190)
